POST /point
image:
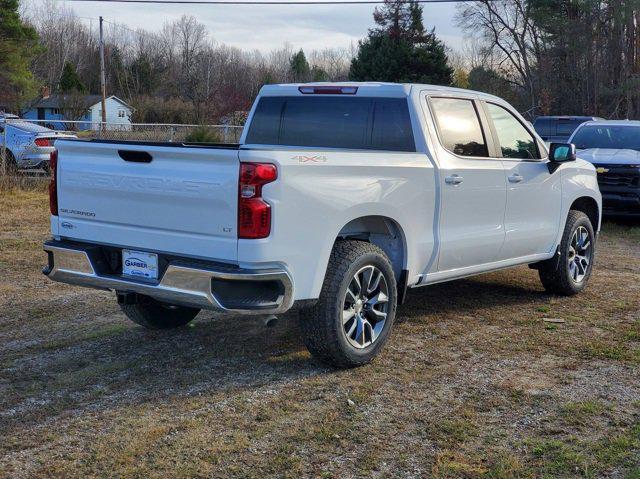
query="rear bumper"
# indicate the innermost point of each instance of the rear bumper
(34, 161)
(184, 282)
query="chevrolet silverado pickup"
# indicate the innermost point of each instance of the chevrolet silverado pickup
(338, 199)
(614, 149)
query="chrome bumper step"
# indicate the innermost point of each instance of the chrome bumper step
(196, 285)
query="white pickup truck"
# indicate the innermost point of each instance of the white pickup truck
(337, 199)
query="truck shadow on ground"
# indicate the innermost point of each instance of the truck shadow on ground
(110, 362)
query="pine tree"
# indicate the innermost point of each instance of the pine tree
(299, 67)
(70, 81)
(399, 49)
(18, 47)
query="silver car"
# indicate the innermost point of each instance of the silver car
(28, 145)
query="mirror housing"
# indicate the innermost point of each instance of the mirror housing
(562, 152)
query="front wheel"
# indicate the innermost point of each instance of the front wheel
(353, 317)
(570, 273)
(153, 314)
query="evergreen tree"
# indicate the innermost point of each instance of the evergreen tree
(399, 49)
(18, 47)
(70, 81)
(318, 74)
(299, 67)
(490, 81)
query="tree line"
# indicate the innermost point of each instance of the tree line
(544, 56)
(568, 57)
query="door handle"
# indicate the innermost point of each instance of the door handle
(453, 180)
(516, 178)
(135, 156)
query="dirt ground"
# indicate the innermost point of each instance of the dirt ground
(472, 384)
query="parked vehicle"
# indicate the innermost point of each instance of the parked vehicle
(614, 148)
(558, 129)
(337, 199)
(29, 145)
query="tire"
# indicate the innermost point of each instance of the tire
(370, 318)
(153, 314)
(12, 165)
(568, 274)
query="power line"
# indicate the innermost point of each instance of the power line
(272, 2)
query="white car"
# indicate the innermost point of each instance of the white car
(28, 145)
(338, 198)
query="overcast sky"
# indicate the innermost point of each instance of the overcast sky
(269, 27)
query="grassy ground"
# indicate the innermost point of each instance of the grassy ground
(473, 383)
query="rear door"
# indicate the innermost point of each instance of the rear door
(172, 199)
(534, 195)
(472, 183)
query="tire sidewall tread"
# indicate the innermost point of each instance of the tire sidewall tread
(321, 324)
(556, 280)
(151, 314)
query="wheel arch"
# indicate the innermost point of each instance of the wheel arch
(589, 206)
(389, 236)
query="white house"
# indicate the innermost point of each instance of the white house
(118, 114)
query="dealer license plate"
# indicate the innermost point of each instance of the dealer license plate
(139, 264)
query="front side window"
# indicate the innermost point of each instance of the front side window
(515, 140)
(333, 122)
(459, 127)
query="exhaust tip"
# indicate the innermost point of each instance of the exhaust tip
(270, 321)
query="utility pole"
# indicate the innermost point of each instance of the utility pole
(103, 87)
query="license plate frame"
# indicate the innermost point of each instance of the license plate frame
(139, 264)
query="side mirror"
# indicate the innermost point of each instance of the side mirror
(562, 152)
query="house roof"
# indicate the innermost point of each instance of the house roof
(57, 100)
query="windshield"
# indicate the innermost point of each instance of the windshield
(614, 137)
(28, 127)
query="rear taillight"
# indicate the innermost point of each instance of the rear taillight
(254, 214)
(53, 184)
(42, 142)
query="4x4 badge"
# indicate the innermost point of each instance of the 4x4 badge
(310, 159)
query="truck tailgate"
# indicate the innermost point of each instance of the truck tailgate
(166, 198)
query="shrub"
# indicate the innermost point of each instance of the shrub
(204, 134)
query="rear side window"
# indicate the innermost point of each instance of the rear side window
(567, 127)
(333, 122)
(459, 127)
(544, 127)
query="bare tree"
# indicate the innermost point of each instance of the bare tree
(507, 29)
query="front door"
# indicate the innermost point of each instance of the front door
(41, 114)
(472, 183)
(534, 195)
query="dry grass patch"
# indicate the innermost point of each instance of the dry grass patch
(474, 384)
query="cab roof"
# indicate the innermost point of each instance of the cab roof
(377, 89)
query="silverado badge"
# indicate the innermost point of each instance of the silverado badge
(602, 170)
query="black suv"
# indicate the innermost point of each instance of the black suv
(558, 129)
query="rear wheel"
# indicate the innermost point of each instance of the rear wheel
(153, 314)
(11, 164)
(570, 273)
(352, 320)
